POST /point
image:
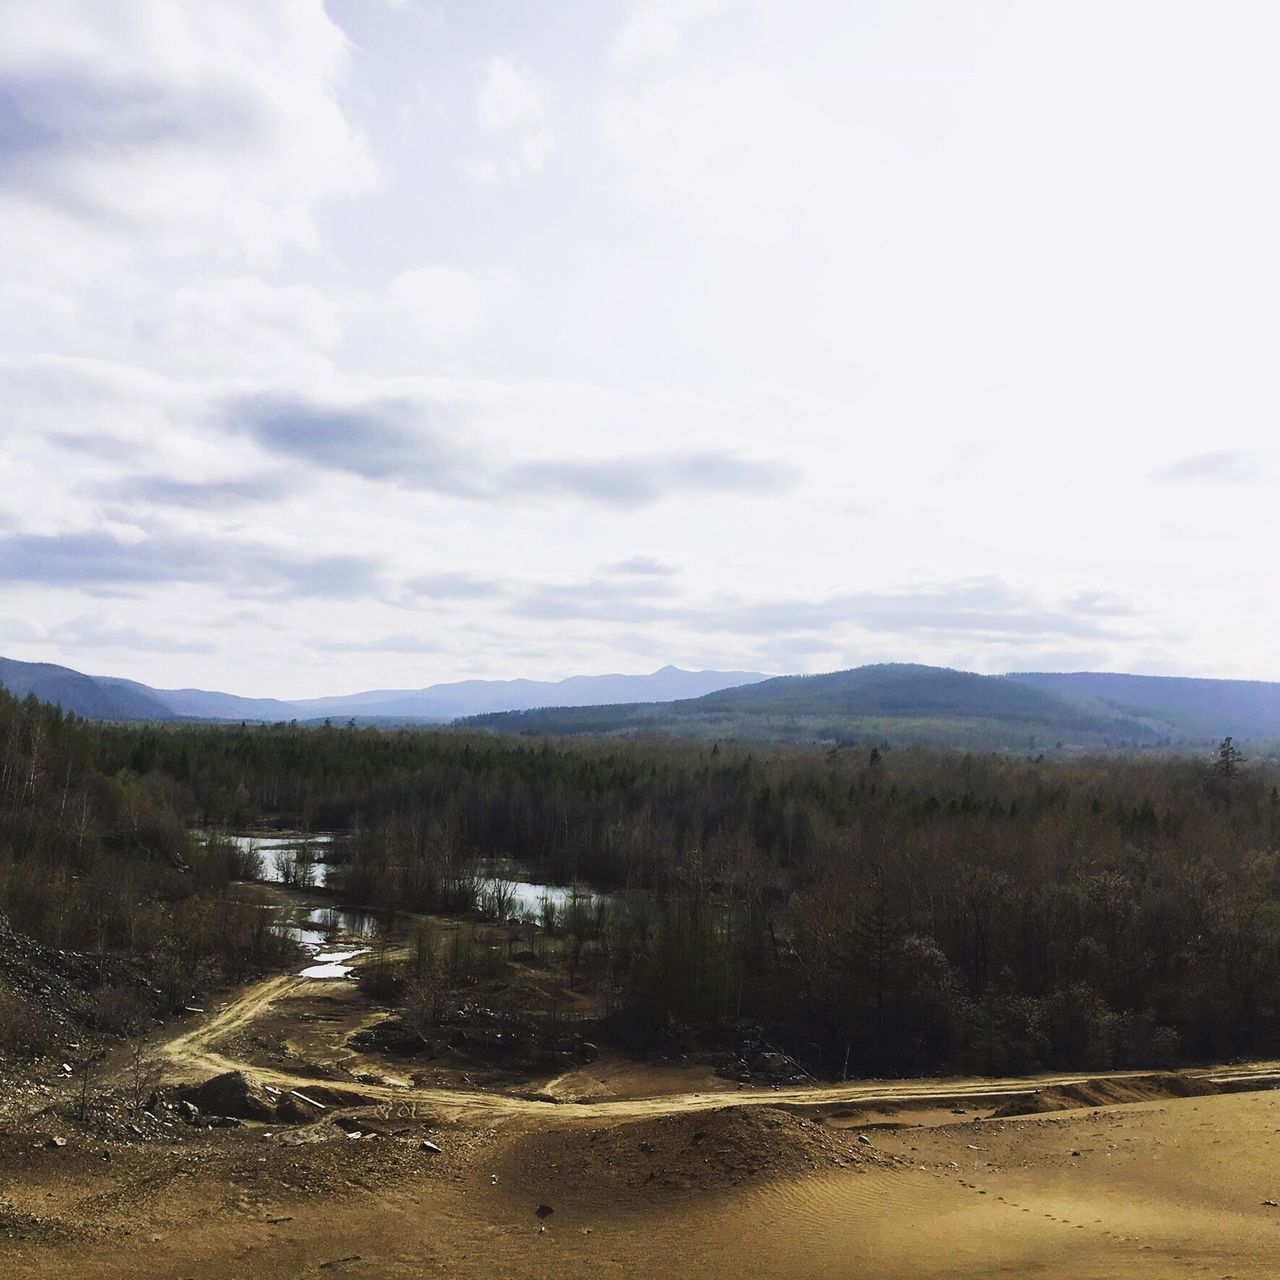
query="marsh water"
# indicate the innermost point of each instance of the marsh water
(528, 898)
(299, 859)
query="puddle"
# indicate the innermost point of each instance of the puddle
(313, 938)
(344, 920)
(332, 964)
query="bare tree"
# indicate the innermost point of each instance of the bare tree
(145, 1071)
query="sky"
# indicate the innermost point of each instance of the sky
(375, 343)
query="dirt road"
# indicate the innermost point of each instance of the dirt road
(195, 1054)
(676, 1182)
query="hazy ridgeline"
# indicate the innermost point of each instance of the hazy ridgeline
(900, 912)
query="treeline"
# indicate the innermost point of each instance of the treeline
(892, 912)
(100, 859)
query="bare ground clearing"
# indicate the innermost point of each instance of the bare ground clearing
(649, 1169)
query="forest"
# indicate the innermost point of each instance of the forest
(873, 911)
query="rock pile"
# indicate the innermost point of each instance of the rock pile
(63, 984)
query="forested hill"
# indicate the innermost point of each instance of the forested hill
(900, 703)
(1207, 708)
(87, 697)
(903, 703)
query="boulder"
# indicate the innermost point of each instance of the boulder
(775, 1066)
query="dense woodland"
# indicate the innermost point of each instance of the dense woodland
(896, 911)
(100, 860)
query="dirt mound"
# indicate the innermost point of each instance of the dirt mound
(1106, 1093)
(235, 1094)
(699, 1151)
(244, 1097)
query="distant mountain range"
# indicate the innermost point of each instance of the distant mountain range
(895, 702)
(111, 698)
(905, 703)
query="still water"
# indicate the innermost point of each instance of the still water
(305, 860)
(288, 857)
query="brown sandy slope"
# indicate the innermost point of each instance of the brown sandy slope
(649, 1170)
(1167, 1188)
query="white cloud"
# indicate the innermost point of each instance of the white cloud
(212, 128)
(742, 154)
(656, 28)
(509, 115)
(984, 285)
(439, 302)
(480, 170)
(533, 152)
(510, 96)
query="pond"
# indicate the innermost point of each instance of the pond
(305, 860)
(504, 879)
(297, 858)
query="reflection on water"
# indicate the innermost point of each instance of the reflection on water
(344, 920)
(306, 860)
(529, 900)
(316, 927)
(303, 936)
(502, 881)
(296, 858)
(332, 964)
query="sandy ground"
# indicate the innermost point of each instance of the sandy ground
(648, 1170)
(1167, 1188)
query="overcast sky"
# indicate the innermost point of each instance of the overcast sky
(382, 342)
